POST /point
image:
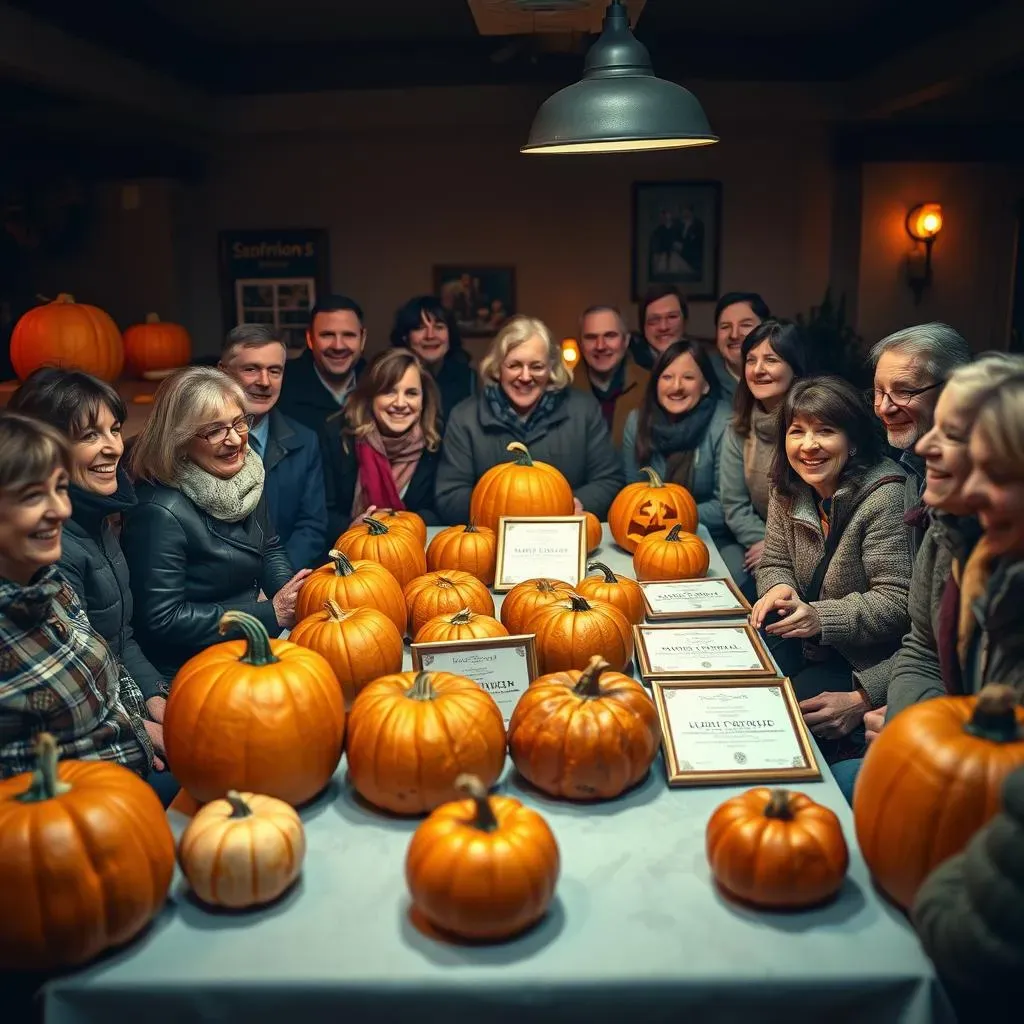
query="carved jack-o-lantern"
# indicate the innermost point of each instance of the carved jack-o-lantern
(652, 506)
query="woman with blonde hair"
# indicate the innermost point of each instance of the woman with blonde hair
(199, 541)
(525, 397)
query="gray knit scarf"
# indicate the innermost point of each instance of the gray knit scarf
(228, 500)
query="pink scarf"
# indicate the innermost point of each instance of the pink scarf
(386, 465)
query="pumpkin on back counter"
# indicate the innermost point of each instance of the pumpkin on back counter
(155, 346)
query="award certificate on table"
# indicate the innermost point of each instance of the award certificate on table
(732, 731)
(530, 547)
(702, 652)
(694, 599)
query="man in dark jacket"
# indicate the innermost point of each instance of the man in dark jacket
(255, 357)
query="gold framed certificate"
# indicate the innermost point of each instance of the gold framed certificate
(733, 732)
(712, 598)
(702, 652)
(504, 666)
(530, 547)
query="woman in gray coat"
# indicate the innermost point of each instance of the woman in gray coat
(525, 396)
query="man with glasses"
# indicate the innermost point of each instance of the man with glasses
(663, 314)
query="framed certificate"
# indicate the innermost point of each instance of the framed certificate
(504, 666)
(530, 547)
(733, 732)
(717, 598)
(702, 652)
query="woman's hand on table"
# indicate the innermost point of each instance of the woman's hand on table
(797, 619)
(874, 721)
(764, 606)
(752, 559)
(155, 732)
(284, 599)
(831, 716)
(156, 706)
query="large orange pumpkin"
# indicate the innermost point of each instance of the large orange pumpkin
(620, 591)
(594, 532)
(675, 555)
(483, 868)
(156, 345)
(570, 632)
(412, 734)
(521, 487)
(398, 549)
(68, 334)
(86, 859)
(587, 735)
(463, 625)
(359, 644)
(471, 548)
(654, 506)
(258, 715)
(357, 584)
(932, 778)
(438, 593)
(403, 517)
(525, 598)
(777, 849)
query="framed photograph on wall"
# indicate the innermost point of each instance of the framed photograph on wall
(481, 298)
(677, 228)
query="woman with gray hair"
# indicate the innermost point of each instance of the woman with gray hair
(199, 541)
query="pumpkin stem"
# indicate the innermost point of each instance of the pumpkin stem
(342, 566)
(239, 808)
(64, 297)
(652, 476)
(994, 717)
(578, 603)
(257, 640)
(674, 534)
(544, 586)
(471, 527)
(421, 688)
(473, 787)
(461, 618)
(609, 576)
(443, 583)
(152, 318)
(522, 453)
(589, 681)
(778, 805)
(334, 610)
(375, 527)
(45, 784)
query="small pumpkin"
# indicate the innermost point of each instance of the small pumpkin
(156, 345)
(242, 851)
(777, 849)
(521, 487)
(360, 644)
(587, 735)
(931, 780)
(86, 860)
(470, 548)
(569, 632)
(525, 598)
(357, 584)
(397, 549)
(403, 517)
(650, 506)
(675, 555)
(256, 715)
(621, 591)
(482, 868)
(463, 625)
(412, 734)
(594, 532)
(438, 593)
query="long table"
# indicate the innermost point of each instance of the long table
(638, 932)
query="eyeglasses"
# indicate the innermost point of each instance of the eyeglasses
(668, 319)
(533, 369)
(901, 396)
(241, 426)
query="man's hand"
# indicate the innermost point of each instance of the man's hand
(874, 721)
(155, 731)
(752, 559)
(831, 716)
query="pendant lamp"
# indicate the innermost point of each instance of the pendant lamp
(619, 105)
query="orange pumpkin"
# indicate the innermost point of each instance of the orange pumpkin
(675, 555)
(471, 548)
(620, 591)
(587, 735)
(403, 517)
(156, 345)
(777, 849)
(412, 734)
(594, 532)
(357, 584)
(359, 644)
(931, 780)
(569, 632)
(86, 860)
(521, 487)
(525, 598)
(654, 506)
(68, 334)
(397, 550)
(483, 868)
(463, 625)
(258, 715)
(440, 593)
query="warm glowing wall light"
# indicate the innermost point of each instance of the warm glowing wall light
(924, 222)
(570, 352)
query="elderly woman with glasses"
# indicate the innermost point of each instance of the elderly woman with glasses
(199, 541)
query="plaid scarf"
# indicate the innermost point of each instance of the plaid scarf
(503, 410)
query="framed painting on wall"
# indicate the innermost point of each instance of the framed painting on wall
(677, 236)
(480, 298)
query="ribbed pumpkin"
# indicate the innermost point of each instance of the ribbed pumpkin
(526, 597)
(156, 345)
(470, 548)
(86, 859)
(396, 549)
(675, 555)
(594, 532)
(521, 487)
(620, 591)
(463, 625)
(412, 734)
(259, 715)
(446, 592)
(68, 334)
(360, 644)
(357, 584)
(931, 779)
(650, 506)
(569, 632)
(403, 518)
(587, 735)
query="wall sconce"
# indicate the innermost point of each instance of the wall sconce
(924, 222)
(570, 352)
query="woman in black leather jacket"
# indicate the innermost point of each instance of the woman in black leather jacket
(199, 541)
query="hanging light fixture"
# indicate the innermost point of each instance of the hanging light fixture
(619, 105)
